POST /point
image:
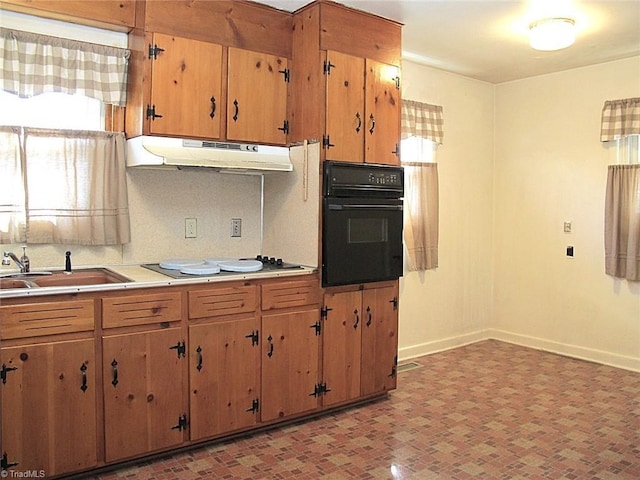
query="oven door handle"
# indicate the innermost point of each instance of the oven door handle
(333, 206)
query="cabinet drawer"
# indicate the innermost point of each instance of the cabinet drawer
(290, 294)
(19, 321)
(222, 301)
(141, 309)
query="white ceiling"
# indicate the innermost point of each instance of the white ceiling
(488, 40)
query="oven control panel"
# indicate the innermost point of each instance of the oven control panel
(384, 178)
(344, 179)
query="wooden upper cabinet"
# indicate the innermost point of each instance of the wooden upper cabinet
(382, 136)
(345, 107)
(186, 87)
(363, 110)
(257, 97)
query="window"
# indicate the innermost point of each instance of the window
(52, 110)
(67, 174)
(621, 129)
(422, 132)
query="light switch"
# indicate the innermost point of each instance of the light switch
(567, 227)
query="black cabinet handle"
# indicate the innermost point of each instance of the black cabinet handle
(83, 370)
(213, 107)
(235, 115)
(270, 340)
(359, 122)
(199, 352)
(369, 316)
(355, 325)
(114, 372)
(373, 123)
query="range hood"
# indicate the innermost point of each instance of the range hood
(150, 151)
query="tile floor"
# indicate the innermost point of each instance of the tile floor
(489, 410)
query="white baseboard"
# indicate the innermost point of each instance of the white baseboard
(575, 351)
(407, 353)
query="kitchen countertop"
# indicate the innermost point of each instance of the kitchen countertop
(142, 277)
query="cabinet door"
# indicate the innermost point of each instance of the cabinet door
(290, 356)
(143, 376)
(49, 406)
(345, 107)
(382, 136)
(224, 374)
(341, 348)
(379, 340)
(186, 87)
(257, 97)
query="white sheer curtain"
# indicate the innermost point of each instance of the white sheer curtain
(621, 123)
(86, 202)
(422, 132)
(622, 222)
(63, 186)
(12, 198)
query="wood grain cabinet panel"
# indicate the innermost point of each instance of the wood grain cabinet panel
(224, 374)
(379, 340)
(219, 301)
(257, 97)
(47, 318)
(290, 363)
(287, 294)
(117, 13)
(141, 309)
(186, 87)
(49, 407)
(342, 346)
(143, 385)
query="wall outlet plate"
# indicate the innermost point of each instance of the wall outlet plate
(236, 227)
(190, 228)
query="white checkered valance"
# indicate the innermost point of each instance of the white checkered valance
(422, 120)
(620, 118)
(31, 64)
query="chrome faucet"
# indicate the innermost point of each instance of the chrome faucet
(22, 262)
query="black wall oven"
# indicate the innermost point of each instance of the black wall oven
(361, 223)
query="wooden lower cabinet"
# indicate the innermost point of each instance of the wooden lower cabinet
(49, 407)
(342, 346)
(359, 342)
(183, 365)
(224, 376)
(143, 385)
(379, 340)
(290, 360)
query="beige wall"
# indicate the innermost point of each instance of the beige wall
(453, 304)
(550, 167)
(503, 271)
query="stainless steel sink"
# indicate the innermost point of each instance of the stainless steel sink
(79, 277)
(7, 283)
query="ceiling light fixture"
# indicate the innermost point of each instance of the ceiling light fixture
(552, 33)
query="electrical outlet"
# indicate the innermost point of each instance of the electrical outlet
(570, 251)
(236, 227)
(567, 227)
(190, 228)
